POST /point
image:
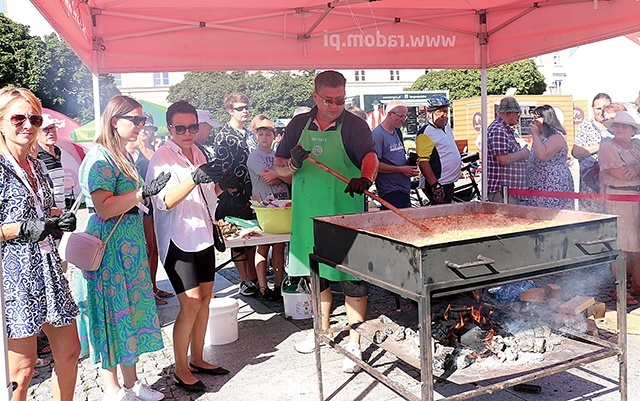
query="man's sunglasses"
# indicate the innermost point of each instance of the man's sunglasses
(17, 120)
(182, 129)
(136, 120)
(328, 101)
(241, 108)
(403, 116)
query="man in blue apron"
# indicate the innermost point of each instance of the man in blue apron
(343, 142)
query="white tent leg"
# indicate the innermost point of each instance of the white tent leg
(483, 112)
(4, 358)
(96, 103)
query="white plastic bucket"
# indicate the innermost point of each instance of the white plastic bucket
(223, 321)
(297, 306)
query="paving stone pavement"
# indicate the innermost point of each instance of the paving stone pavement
(264, 365)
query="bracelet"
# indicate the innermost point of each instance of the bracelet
(292, 167)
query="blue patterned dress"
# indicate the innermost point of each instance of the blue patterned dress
(551, 175)
(120, 310)
(35, 289)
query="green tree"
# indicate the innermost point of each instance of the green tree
(523, 75)
(21, 56)
(275, 94)
(67, 82)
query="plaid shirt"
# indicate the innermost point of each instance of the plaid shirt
(501, 140)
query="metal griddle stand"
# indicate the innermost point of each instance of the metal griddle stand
(424, 312)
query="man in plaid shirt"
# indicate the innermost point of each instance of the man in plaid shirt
(506, 158)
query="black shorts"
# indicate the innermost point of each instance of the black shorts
(187, 270)
(354, 289)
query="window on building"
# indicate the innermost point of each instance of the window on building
(394, 75)
(539, 61)
(360, 75)
(556, 60)
(160, 78)
(117, 79)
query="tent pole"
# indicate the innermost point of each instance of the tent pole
(483, 41)
(4, 358)
(96, 103)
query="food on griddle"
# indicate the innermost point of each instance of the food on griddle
(460, 227)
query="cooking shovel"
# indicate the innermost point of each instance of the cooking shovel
(386, 204)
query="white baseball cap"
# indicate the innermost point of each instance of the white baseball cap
(205, 116)
(47, 121)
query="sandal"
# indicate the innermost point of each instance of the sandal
(43, 346)
(631, 301)
(42, 362)
(164, 294)
(159, 300)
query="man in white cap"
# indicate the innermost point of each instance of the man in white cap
(206, 123)
(506, 158)
(50, 155)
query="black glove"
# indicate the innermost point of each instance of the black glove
(437, 193)
(67, 222)
(298, 154)
(228, 180)
(154, 186)
(35, 230)
(207, 173)
(357, 186)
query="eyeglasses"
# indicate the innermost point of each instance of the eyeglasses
(182, 129)
(50, 129)
(136, 120)
(403, 116)
(440, 112)
(241, 108)
(17, 120)
(339, 101)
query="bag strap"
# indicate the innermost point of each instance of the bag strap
(76, 206)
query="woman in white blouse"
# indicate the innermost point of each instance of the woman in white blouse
(184, 230)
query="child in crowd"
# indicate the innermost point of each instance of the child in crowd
(266, 182)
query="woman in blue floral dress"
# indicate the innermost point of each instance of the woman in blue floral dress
(120, 306)
(548, 169)
(36, 293)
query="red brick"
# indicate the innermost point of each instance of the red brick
(532, 295)
(597, 310)
(553, 291)
(576, 305)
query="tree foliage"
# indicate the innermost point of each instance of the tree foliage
(523, 75)
(51, 70)
(68, 82)
(275, 94)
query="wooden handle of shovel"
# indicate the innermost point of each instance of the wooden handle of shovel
(386, 204)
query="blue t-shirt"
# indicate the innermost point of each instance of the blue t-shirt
(390, 150)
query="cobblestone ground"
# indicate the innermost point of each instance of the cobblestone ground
(156, 367)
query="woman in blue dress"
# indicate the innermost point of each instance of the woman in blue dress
(548, 169)
(120, 307)
(36, 293)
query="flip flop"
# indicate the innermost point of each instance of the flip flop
(164, 294)
(631, 301)
(42, 362)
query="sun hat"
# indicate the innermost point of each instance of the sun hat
(265, 124)
(205, 116)
(47, 121)
(623, 117)
(509, 105)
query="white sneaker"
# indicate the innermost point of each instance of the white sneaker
(122, 395)
(348, 366)
(308, 345)
(142, 391)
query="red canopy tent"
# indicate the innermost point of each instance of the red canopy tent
(198, 35)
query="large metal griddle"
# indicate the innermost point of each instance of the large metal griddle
(574, 240)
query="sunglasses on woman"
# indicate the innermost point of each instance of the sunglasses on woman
(136, 120)
(18, 120)
(182, 129)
